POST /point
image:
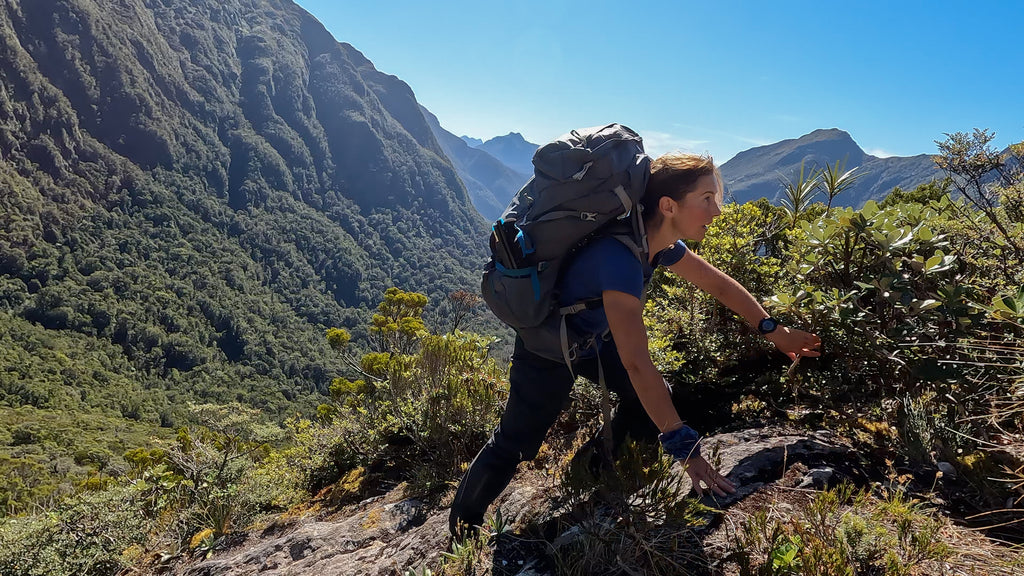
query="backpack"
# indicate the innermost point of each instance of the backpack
(585, 184)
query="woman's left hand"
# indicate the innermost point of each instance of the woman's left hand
(793, 342)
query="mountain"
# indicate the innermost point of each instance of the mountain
(757, 172)
(473, 142)
(513, 150)
(192, 191)
(491, 184)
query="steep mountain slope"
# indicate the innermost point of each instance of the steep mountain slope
(491, 184)
(757, 172)
(200, 187)
(513, 150)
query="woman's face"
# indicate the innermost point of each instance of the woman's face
(698, 209)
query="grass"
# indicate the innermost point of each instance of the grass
(853, 531)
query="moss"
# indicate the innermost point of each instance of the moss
(200, 537)
(350, 487)
(372, 520)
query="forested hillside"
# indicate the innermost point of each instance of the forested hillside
(191, 192)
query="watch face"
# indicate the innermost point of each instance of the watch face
(767, 325)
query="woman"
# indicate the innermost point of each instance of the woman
(683, 197)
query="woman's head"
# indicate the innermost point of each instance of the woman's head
(674, 176)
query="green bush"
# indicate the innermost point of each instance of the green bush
(690, 332)
(885, 293)
(93, 533)
(900, 294)
(419, 404)
(696, 341)
(842, 532)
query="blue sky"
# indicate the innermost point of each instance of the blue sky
(705, 76)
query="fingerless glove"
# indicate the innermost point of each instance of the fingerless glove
(681, 443)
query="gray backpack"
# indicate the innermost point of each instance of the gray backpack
(586, 183)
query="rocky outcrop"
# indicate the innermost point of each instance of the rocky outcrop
(391, 534)
(380, 537)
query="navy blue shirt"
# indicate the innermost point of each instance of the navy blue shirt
(607, 264)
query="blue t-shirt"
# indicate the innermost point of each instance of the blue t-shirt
(607, 264)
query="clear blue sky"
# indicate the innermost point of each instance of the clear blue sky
(702, 76)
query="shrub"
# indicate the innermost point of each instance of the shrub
(88, 534)
(422, 403)
(688, 328)
(842, 531)
(883, 291)
(635, 519)
(695, 340)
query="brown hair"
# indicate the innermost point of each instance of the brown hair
(675, 175)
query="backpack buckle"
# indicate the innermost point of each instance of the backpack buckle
(588, 216)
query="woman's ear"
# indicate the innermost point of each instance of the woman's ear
(666, 205)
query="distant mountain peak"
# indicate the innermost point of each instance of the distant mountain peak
(828, 133)
(755, 172)
(834, 135)
(513, 150)
(489, 181)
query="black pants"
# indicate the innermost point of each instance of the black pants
(538, 391)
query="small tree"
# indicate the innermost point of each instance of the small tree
(799, 193)
(398, 325)
(834, 180)
(425, 397)
(982, 174)
(463, 303)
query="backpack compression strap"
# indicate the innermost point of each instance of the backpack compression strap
(570, 354)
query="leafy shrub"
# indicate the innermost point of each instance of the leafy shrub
(688, 328)
(900, 294)
(925, 194)
(89, 534)
(423, 403)
(881, 288)
(695, 340)
(984, 177)
(635, 519)
(208, 479)
(842, 532)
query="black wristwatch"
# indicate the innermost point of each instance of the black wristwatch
(767, 325)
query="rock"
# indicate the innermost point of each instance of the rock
(533, 569)
(947, 469)
(568, 537)
(817, 479)
(382, 538)
(753, 458)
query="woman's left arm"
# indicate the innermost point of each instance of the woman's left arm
(733, 295)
